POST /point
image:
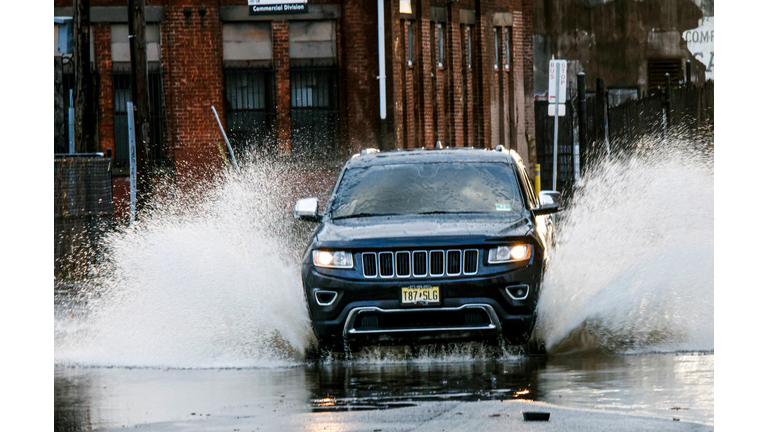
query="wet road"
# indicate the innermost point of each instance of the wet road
(666, 386)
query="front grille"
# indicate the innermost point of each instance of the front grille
(386, 266)
(369, 265)
(436, 263)
(451, 319)
(403, 264)
(470, 261)
(454, 263)
(421, 263)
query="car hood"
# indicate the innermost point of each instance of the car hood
(402, 230)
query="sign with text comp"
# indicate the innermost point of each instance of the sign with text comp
(269, 7)
(701, 43)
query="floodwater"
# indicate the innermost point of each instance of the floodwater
(664, 385)
(197, 310)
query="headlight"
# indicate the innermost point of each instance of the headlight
(332, 259)
(512, 253)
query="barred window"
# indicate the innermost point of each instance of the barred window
(409, 26)
(469, 47)
(507, 51)
(496, 48)
(440, 45)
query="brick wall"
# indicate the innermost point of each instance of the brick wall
(360, 64)
(282, 63)
(456, 87)
(456, 104)
(193, 66)
(102, 47)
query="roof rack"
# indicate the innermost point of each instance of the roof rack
(369, 151)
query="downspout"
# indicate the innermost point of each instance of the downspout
(382, 66)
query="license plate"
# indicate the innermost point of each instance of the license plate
(420, 295)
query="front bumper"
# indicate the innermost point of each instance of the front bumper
(476, 307)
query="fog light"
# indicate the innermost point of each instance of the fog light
(518, 292)
(325, 298)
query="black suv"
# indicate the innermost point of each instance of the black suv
(427, 244)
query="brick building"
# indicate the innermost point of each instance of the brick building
(457, 71)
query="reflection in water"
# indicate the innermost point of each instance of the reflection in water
(71, 408)
(663, 385)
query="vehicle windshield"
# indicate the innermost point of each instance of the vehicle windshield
(431, 188)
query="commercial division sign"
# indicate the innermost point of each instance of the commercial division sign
(268, 7)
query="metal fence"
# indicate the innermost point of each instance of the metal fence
(82, 206)
(545, 150)
(685, 111)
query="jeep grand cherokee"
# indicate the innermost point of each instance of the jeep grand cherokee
(427, 244)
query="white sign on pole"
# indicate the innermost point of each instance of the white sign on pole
(556, 98)
(555, 79)
(560, 110)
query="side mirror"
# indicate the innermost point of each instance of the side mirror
(549, 202)
(306, 209)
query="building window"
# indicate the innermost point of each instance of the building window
(469, 47)
(496, 48)
(409, 26)
(249, 107)
(121, 79)
(64, 44)
(440, 45)
(314, 78)
(507, 51)
(405, 7)
(314, 108)
(659, 68)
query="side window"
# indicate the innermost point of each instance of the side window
(528, 186)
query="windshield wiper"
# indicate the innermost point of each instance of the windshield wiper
(365, 215)
(449, 212)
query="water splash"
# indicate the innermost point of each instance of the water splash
(208, 277)
(634, 268)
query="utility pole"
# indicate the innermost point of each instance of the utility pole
(139, 93)
(85, 95)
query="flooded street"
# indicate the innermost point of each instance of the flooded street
(673, 385)
(195, 319)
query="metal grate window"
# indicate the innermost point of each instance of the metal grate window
(496, 48)
(314, 108)
(507, 50)
(440, 48)
(657, 70)
(250, 108)
(122, 94)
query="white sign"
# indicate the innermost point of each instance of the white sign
(554, 80)
(270, 7)
(560, 110)
(701, 43)
(272, 2)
